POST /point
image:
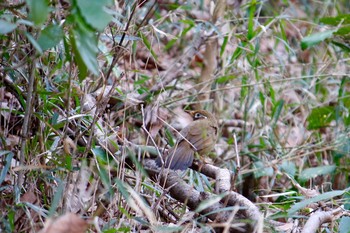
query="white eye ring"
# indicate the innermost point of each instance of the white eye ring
(198, 115)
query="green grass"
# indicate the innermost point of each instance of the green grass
(280, 85)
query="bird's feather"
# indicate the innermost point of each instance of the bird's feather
(179, 157)
(199, 136)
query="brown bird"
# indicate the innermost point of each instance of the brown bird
(199, 136)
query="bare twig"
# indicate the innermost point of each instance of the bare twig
(26, 124)
(117, 55)
(238, 167)
(177, 68)
(145, 129)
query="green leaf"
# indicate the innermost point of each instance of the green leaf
(209, 202)
(118, 38)
(57, 197)
(345, 19)
(85, 50)
(102, 160)
(321, 197)
(225, 78)
(343, 31)
(170, 137)
(344, 225)
(148, 45)
(251, 20)
(320, 117)
(276, 112)
(103, 174)
(34, 42)
(310, 173)
(167, 228)
(122, 189)
(347, 201)
(68, 46)
(6, 165)
(38, 209)
(68, 162)
(342, 147)
(11, 216)
(116, 230)
(101, 155)
(245, 88)
(344, 47)
(288, 167)
(38, 10)
(141, 80)
(223, 46)
(271, 92)
(94, 14)
(237, 53)
(50, 36)
(6, 27)
(316, 38)
(261, 170)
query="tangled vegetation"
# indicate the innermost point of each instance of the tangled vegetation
(93, 91)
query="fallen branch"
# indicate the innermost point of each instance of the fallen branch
(321, 217)
(246, 213)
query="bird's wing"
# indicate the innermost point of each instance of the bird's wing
(180, 157)
(201, 136)
(198, 137)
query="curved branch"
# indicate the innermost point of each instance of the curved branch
(320, 217)
(243, 210)
(223, 179)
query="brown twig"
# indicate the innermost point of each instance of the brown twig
(117, 55)
(26, 124)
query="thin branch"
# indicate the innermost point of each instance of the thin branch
(25, 128)
(116, 56)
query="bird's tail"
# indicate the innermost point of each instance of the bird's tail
(180, 157)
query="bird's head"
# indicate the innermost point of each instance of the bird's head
(201, 115)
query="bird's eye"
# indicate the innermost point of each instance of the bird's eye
(198, 115)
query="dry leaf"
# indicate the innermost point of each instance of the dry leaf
(308, 193)
(89, 104)
(295, 137)
(69, 146)
(285, 227)
(112, 143)
(11, 141)
(29, 197)
(4, 110)
(290, 96)
(152, 121)
(68, 223)
(181, 119)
